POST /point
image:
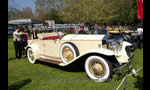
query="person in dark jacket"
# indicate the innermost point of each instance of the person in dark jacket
(96, 30)
(82, 30)
(34, 34)
(24, 37)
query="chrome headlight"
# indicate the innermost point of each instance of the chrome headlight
(120, 41)
(112, 44)
(120, 44)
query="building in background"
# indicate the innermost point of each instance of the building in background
(26, 23)
(51, 23)
(11, 28)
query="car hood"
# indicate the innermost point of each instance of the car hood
(82, 37)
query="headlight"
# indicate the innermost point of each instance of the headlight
(111, 44)
(114, 45)
(120, 44)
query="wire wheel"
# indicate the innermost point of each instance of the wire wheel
(97, 68)
(30, 55)
(67, 54)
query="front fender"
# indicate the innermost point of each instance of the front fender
(125, 43)
(122, 56)
(96, 51)
(103, 51)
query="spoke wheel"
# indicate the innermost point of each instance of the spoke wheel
(67, 54)
(98, 68)
(30, 55)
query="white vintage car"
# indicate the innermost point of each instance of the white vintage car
(102, 52)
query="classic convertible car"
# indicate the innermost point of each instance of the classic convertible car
(103, 52)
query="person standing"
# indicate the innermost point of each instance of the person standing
(25, 38)
(25, 31)
(86, 29)
(95, 31)
(17, 43)
(34, 34)
(99, 28)
(74, 30)
(140, 37)
(81, 30)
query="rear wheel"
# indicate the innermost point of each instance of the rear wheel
(68, 52)
(30, 55)
(98, 68)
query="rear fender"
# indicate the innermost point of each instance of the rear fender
(35, 49)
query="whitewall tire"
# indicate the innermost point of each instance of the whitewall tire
(68, 52)
(98, 69)
(30, 55)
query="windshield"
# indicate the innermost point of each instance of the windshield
(116, 37)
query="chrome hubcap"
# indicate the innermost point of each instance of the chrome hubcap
(97, 68)
(31, 55)
(67, 54)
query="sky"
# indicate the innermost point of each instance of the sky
(19, 4)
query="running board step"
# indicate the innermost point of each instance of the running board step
(50, 60)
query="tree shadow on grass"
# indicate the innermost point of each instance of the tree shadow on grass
(76, 66)
(19, 84)
(139, 83)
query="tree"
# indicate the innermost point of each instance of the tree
(54, 15)
(83, 11)
(88, 11)
(48, 8)
(26, 13)
(13, 13)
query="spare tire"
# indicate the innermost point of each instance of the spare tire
(68, 52)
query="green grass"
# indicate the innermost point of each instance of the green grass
(44, 76)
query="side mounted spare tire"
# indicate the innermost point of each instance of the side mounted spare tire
(68, 52)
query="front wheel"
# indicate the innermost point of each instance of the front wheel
(98, 68)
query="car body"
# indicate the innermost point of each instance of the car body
(63, 50)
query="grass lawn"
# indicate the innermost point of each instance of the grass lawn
(44, 76)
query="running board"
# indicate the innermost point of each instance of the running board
(50, 60)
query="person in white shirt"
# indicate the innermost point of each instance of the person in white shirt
(140, 31)
(86, 29)
(140, 37)
(17, 43)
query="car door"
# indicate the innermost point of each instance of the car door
(51, 48)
